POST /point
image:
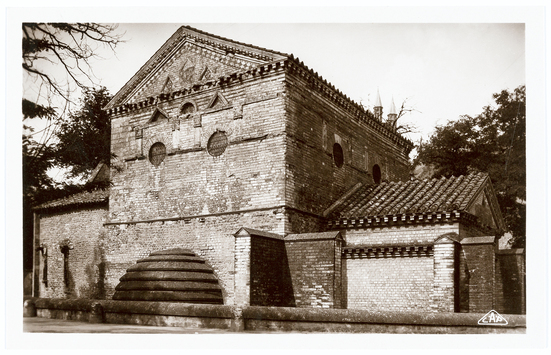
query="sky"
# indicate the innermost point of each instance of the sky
(441, 71)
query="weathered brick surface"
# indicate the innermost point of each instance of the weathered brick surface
(210, 238)
(270, 276)
(314, 125)
(443, 296)
(479, 264)
(249, 174)
(315, 272)
(403, 235)
(510, 282)
(242, 270)
(86, 261)
(390, 283)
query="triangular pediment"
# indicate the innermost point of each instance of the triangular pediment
(190, 57)
(217, 100)
(487, 210)
(158, 115)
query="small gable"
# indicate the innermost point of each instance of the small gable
(217, 100)
(158, 115)
(480, 207)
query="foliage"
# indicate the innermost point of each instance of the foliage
(56, 60)
(84, 136)
(493, 142)
(47, 46)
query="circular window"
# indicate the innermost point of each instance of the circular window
(217, 143)
(376, 174)
(338, 155)
(157, 153)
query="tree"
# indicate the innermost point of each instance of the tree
(47, 46)
(56, 61)
(493, 142)
(84, 136)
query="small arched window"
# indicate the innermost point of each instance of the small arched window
(188, 107)
(376, 174)
(157, 153)
(338, 155)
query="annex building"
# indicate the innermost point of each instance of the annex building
(242, 177)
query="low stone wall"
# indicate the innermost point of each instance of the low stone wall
(269, 319)
(135, 312)
(362, 321)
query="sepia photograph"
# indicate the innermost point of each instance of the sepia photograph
(304, 176)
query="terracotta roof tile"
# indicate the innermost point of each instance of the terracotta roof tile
(81, 198)
(414, 196)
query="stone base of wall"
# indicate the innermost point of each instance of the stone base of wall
(270, 319)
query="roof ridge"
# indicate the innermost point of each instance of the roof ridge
(70, 199)
(233, 41)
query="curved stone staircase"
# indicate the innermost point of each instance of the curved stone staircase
(173, 275)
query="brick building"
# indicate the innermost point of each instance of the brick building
(291, 193)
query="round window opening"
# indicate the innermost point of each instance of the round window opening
(157, 153)
(217, 143)
(187, 108)
(338, 155)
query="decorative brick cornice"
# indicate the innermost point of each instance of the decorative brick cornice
(329, 91)
(197, 36)
(386, 251)
(404, 219)
(276, 61)
(221, 82)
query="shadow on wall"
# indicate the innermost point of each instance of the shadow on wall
(511, 270)
(271, 283)
(95, 273)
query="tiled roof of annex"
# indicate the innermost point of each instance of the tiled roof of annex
(78, 199)
(409, 197)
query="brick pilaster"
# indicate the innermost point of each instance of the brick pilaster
(242, 269)
(479, 253)
(444, 289)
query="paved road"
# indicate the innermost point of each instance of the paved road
(46, 325)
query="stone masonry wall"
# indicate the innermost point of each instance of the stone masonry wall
(82, 229)
(315, 272)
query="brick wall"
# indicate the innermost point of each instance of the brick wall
(190, 181)
(478, 257)
(270, 279)
(315, 270)
(445, 293)
(211, 238)
(406, 235)
(390, 283)
(510, 282)
(315, 124)
(84, 277)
